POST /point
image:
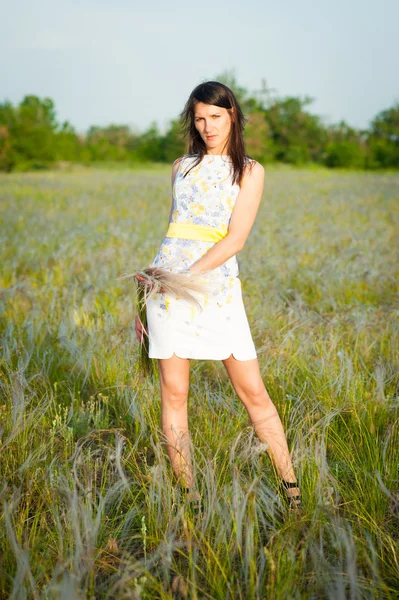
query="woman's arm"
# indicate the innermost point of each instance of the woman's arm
(242, 219)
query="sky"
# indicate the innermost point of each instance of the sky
(135, 62)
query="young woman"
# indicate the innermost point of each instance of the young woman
(216, 191)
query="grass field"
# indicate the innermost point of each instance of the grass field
(89, 506)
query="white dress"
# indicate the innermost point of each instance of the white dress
(206, 196)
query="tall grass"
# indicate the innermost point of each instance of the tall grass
(90, 508)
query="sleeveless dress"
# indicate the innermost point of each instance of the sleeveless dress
(206, 196)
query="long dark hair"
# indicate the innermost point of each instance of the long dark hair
(217, 94)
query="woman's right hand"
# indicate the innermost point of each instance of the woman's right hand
(140, 330)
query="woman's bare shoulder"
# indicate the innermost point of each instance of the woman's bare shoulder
(175, 166)
(184, 157)
(177, 162)
(254, 169)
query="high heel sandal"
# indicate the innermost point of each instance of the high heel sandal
(294, 502)
(195, 503)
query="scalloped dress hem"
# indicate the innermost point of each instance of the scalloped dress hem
(215, 332)
(192, 356)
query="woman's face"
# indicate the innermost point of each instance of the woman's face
(213, 124)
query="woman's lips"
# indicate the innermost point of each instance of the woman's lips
(210, 137)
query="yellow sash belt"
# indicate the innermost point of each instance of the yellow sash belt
(203, 233)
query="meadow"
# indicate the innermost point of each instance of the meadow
(89, 504)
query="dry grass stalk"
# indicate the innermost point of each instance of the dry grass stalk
(184, 284)
(150, 281)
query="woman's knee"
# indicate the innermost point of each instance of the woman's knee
(174, 391)
(174, 375)
(253, 393)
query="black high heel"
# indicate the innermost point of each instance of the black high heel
(195, 504)
(294, 502)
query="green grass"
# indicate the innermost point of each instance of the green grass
(90, 508)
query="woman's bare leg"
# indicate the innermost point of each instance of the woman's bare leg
(248, 384)
(174, 375)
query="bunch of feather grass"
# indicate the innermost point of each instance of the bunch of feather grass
(186, 285)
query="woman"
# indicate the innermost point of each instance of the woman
(216, 191)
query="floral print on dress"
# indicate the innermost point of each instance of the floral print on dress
(205, 196)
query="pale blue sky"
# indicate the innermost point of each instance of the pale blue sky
(130, 62)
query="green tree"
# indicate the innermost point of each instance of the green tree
(34, 131)
(383, 139)
(298, 136)
(69, 146)
(173, 143)
(150, 146)
(108, 143)
(276, 129)
(345, 148)
(258, 138)
(8, 117)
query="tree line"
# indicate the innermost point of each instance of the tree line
(278, 129)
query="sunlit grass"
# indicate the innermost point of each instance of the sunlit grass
(89, 504)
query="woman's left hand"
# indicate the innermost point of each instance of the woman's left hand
(146, 283)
